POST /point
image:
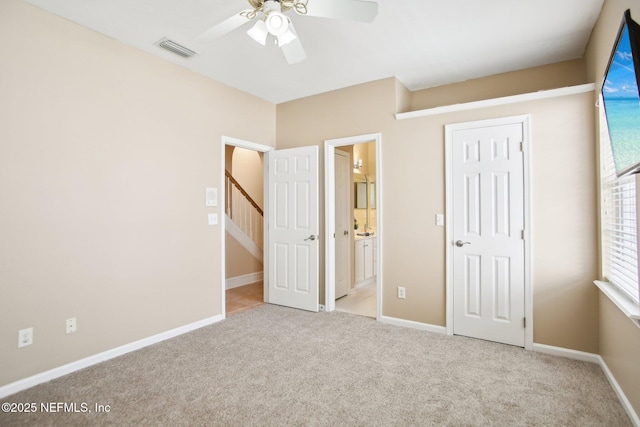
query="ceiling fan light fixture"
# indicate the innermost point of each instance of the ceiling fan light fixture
(277, 24)
(287, 37)
(259, 32)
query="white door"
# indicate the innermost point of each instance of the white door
(343, 226)
(488, 231)
(293, 252)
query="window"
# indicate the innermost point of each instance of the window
(619, 222)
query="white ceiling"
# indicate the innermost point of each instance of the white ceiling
(424, 43)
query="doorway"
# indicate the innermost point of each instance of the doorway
(334, 256)
(488, 287)
(242, 201)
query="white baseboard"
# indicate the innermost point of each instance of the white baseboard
(413, 325)
(565, 352)
(52, 374)
(594, 358)
(623, 398)
(247, 279)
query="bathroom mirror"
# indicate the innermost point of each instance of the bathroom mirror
(360, 194)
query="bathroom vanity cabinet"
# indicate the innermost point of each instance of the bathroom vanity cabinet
(365, 265)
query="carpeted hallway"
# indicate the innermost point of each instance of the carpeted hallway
(278, 366)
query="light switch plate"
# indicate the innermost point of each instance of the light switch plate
(211, 196)
(212, 218)
(439, 220)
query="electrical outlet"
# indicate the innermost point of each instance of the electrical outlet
(72, 325)
(25, 337)
(401, 292)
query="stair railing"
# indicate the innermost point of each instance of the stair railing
(243, 210)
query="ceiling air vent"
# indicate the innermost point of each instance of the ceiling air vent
(174, 47)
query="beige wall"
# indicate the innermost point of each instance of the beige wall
(564, 195)
(546, 77)
(619, 338)
(105, 153)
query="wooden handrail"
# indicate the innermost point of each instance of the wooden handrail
(244, 193)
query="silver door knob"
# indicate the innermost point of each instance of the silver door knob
(312, 237)
(460, 243)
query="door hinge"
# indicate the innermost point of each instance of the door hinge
(334, 235)
(523, 235)
(524, 322)
(522, 146)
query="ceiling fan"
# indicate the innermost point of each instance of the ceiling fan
(271, 20)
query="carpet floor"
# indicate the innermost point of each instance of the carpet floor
(275, 366)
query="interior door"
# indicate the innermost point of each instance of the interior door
(293, 248)
(343, 226)
(488, 231)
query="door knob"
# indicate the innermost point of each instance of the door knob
(346, 232)
(312, 237)
(460, 243)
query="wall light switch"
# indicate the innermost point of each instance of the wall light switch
(440, 220)
(212, 218)
(211, 196)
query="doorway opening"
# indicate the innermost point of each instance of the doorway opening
(242, 196)
(353, 225)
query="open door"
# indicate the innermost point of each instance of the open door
(293, 231)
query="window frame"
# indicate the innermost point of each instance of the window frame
(618, 222)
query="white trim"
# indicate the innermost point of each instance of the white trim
(227, 140)
(593, 358)
(413, 325)
(628, 307)
(69, 368)
(566, 352)
(633, 416)
(246, 279)
(329, 215)
(525, 120)
(533, 96)
(365, 282)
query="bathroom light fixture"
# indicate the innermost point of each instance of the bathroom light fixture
(357, 164)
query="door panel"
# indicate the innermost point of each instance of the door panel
(343, 227)
(293, 228)
(488, 224)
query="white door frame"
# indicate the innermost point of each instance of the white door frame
(330, 219)
(227, 140)
(528, 291)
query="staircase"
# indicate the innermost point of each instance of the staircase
(244, 218)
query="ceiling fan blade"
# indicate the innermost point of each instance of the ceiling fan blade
(293, 51)
(226, 26)
(353, 10)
